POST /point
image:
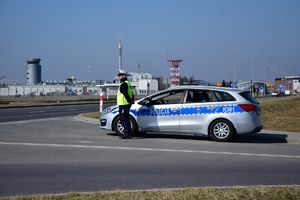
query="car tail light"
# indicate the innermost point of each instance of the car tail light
(248, 107)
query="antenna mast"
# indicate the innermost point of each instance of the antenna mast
(89, 72)
(120, 54)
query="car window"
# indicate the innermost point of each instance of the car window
(196, 96)
(168, 97)
(174, 97)
(247, 95)
(223, 96)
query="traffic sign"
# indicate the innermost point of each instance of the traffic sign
(282, 86)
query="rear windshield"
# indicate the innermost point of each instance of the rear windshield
(247, 95)
(223, 96)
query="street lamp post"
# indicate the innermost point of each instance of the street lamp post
(271, 68)
(252, 72)
(271, 72)
(234, 62)
(264, 72)
(275, 70)
(264, 69)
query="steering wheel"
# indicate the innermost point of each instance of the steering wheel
(161, 101)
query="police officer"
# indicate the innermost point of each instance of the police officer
(125, 99)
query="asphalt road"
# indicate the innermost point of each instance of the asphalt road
(42, 112)
(60, 154)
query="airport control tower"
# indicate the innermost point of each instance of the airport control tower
(33, 71)
(174, 71)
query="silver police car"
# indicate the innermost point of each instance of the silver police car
(218, 112)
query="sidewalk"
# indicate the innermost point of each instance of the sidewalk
(267, 136)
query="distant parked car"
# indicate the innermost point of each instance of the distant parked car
(218, 112)
(277, 94)
(287, 93)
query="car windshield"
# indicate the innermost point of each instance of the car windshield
(248, 96)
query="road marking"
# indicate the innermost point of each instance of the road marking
(72, 109)
(148, 149)
(36, 112)
(28, 121)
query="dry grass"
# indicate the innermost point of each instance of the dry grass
(94, 115)
(281, 115)
(207, 193)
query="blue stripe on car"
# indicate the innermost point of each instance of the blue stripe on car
(186, 110)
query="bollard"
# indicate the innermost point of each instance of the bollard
(101, 102)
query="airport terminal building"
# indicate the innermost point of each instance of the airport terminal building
(142, 82)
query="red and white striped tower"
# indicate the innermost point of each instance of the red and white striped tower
(174, 71)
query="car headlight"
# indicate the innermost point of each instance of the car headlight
(108, 110)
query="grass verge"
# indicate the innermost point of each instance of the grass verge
(281, 115)
(207, 193)
(94, 115)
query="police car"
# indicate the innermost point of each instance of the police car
(218, 112)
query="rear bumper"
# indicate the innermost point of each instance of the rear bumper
(257, 129)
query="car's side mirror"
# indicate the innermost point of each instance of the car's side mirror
(146, 102)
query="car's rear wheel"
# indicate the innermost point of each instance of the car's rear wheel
(119, 129)
(221, 130)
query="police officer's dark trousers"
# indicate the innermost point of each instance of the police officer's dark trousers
(124, 119)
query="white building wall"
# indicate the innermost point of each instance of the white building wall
(3, 91)
(12, 90)
(296, 85)
(153, 86)
(94, 89)
(146, 87)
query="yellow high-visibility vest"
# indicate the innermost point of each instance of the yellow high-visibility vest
(121, 100)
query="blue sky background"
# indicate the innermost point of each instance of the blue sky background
(70, 35)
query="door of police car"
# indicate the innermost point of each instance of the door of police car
(198, 108)
(161, 112)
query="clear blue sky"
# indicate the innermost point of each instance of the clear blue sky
(70, 35)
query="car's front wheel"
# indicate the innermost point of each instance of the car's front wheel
(119, 129)
(221, 130)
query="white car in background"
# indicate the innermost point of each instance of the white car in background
(274, 94)
(218, 112)
(287, 93)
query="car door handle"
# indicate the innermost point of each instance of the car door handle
(174, 109)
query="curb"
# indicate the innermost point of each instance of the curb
(290, 137)
(86, 119)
